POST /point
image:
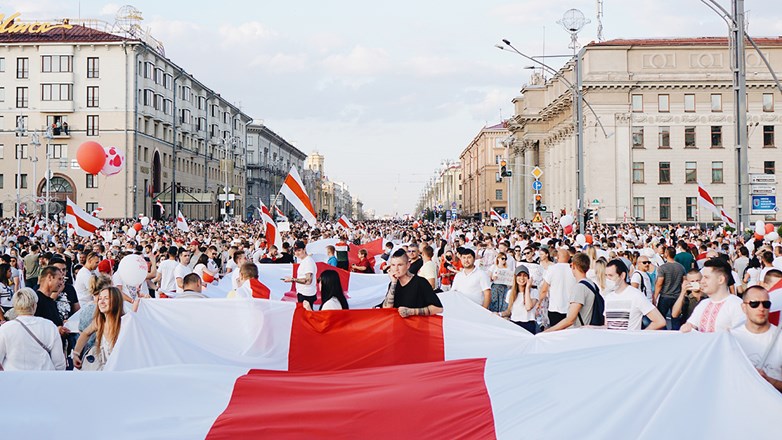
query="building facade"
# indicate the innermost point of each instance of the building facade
(483, 189)
(667, 110)
(444, 192)
(118, 89)
(269, 159)
(330, 199)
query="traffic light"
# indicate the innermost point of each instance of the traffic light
(538, 202)
(588, 215)
(504, 169)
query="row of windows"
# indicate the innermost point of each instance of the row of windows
(691, 139)
(690, 171)
(53, 92)
(664, 102)
(664, 208)
(52, 64)
(21, 180)
(59, 124)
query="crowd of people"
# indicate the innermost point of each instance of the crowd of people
(626, 277)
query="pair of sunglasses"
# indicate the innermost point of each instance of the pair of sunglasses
(755, 304)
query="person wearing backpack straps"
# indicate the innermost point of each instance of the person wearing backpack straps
(585, 302)
(626, 306)
(640, 279)
(30, 342)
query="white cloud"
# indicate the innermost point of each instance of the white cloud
(360, 61)
(281, 63)
(110, 9)
(248, 33)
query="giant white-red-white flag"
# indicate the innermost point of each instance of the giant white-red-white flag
(705, 200)
(293, 190)
(345, 222)
(82, 223)
(181, 222)
(273, 236)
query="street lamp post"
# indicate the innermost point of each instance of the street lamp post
(20, 132)
(49, 138)
(35, 142)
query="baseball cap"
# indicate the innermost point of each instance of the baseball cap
(522, 269)
(195, 243)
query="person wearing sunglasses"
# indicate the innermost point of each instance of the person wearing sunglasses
(759, 338)
(721, 310)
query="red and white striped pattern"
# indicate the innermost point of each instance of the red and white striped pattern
(160, 205)
(273, 237)
(293, 190)
(495, 216)
(78, 220)
(181, 223)
(345, 222)
(705, 200)
(97, 211)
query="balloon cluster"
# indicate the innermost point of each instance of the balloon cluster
(765, 231)
(566, 221)
(94, 158)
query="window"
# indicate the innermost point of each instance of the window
(498, 194)
(22, 68)
(56, 63)
(2, 151)
(2, 94)
(638, 137)
(689, 137)
(690, 172)
(716, 136)
(689, 103)
(638, 172)
(92, 181)
(716, 102)
(638, 208)
(21, 181)
(56, 92)
(718, 202)
(2, 185)
(665, 172)
(663, 103)
(22, 97)
(92, 96)
(58, 151)
(21, 121)
(2, 65)
(497, 177)
(768, 136)
(92, 125)
(691, 208)
(664, 137)
(497, 159)
(768, 102)
(638, 103)
(769, 167)
(93, 67)
(716, 172)
(665, 209)
(21, 151)
(149, 68)
(91, 206)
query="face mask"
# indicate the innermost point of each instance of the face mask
(610, 285)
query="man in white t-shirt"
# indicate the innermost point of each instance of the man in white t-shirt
(306, 289)
(558, 283)
(428, 270)
(472, 282)
(721, 311)
(82, 282)
(640, 279)
(182, 270)
(166, 272)
(626, 306)
(757, 335)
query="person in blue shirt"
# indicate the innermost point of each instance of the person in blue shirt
(331, 252)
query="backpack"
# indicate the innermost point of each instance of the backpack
(598, 307)
(643, 284)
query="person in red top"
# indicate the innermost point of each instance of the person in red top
(363, 265)
(448, 269)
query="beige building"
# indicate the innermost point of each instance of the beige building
(483, 189)
(113, 85)
(330, 199)
(444, 191)
(667, 109)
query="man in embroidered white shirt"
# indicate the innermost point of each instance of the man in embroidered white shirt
(721, 311)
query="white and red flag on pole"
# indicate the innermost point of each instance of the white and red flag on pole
(181, 223)
(293, 190)
(272, 235)
(279, 213)
(82, 223)
(160, 205)
(345, 222)
(97, 211)
(495, 216)
(705, 200)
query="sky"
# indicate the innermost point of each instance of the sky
(386, 91)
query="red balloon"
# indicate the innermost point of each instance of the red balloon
(568, 229)
(589, 239)
(758, 236)
(137, 226)
(91, 157)
(769, 228)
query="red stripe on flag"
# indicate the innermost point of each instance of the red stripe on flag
(374, 247)
(444, 400)
(339, 340)
(259, 290)
(89, 227)
(291, 183)
(705, 195)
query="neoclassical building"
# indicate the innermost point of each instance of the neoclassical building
(483, 189)
(666, 106)
(87, 80)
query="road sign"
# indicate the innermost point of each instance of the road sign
(537, 185)
(536, 172)
(537, 218)
(595, 202)
(504, 215)
(453, 204)
(767, 190)
(762, 179)
(764, 204)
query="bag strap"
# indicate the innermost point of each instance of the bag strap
(33, 336)
(592, 289)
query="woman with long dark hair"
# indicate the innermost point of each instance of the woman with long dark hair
(105, 326)
(332, 296)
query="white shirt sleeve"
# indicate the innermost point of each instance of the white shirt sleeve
(485, 281)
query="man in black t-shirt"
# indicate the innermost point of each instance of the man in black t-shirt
(409, 293)
(51, 284)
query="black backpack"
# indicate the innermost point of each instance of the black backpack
(598, 307)
(642, 287)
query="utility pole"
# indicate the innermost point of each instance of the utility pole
(740, 109)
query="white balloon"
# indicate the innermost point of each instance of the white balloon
(144, 221)
(115, 160)
(581, 239)
(566, 220)
(760, 227)
(133, 270)
(131, 232)
(771, 236)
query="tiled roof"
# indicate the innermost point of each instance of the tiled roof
(501, 126)
(76, 34)
(698, 41)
